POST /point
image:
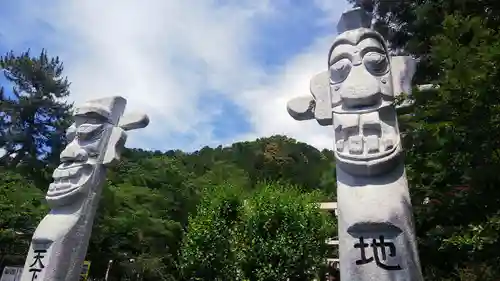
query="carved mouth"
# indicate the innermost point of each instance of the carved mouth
(365, 148)
(68, 178)
(364, 137)
(360, 106)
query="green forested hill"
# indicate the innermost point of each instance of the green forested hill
(277, 158)
(162, 189)
(150, 196)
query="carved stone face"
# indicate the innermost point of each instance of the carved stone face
(95, 140)
(78, 160)
(361, 87)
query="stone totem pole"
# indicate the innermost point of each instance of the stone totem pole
(357, 96)
(96, 138)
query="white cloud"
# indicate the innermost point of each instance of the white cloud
(163, 56)
(267, 104)
(166, 56)
(332, 8)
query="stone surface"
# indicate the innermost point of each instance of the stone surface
(354, 19)
(356, 95)
(60, 242)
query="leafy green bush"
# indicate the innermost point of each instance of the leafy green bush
(282, 235)
(275, 233)
(209, 252)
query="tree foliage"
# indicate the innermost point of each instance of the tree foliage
(283, 234)
(32, 110)
(21, 206)
(243, 212)
(451, 136)
(273, 233)
(210, 249)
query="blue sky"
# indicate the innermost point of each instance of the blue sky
(207, 72)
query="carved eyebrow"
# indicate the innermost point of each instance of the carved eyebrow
(89, 128)
(368, 49)
(372, 44)
(340, 52)
(339, 57)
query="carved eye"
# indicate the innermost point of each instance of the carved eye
(89, 132)
(340, 70)
(376, 63)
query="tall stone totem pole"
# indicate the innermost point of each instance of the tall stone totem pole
(60, 242)
(356, 95)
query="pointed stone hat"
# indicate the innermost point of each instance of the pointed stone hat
(353, 19)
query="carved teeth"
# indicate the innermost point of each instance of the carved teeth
(57, 174)
(388, 144)
(372, 144)
(350, 121)
(65, 173)
(363, 135)
(59, 188)
(340, 145)
(355, 144)
(359, 145)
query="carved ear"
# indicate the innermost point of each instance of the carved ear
(403, 68)
(319, 85)
(133, 121)
(301, 108)
(320, 89)
(115, 145)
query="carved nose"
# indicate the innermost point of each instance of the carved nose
(73, 153)
(360, 97)
(360, 90)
